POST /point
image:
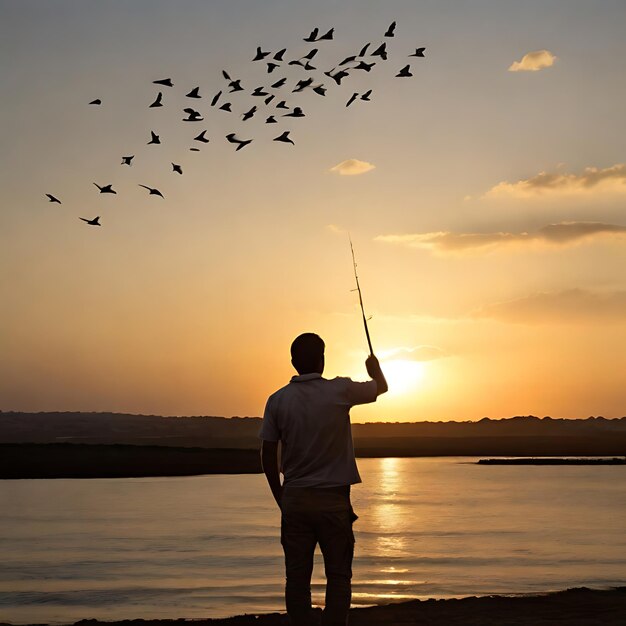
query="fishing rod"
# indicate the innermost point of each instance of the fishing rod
(358, 288)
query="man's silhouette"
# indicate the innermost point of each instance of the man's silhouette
(310, 418)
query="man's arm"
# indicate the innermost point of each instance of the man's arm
(269, 462)
(373, 369)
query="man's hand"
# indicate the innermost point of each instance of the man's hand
(269, 462)
(373, 369)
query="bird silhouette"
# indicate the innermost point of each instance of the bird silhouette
(302, 84)
(192, 115)
(419, 52)
(201, 137)
(194, 93)
(94, 222)
(279, 55)
(297, 112)
(341, 74)
(320, 90)
(126, 160)
(157, 102)
(364, 66)
(154, 138)
(381, 52)
(366, 95)
(282, 105)
(235, 85)
(195, 149)
(405, 72)
(310, 54)
(258, 91)
(226, 75)
(347, 60)
(327, 36)
(177, 168)
(248, 114)
(353, 97)
(241, 143)
(279, 83)
(216, 97)
(271, 120)
(363, 50)
(153, 191)
(52, 198)
(164, 81)
(271, 67)
(313, 36)
(226, 107)
(105, 188)
(390, 30)
(284, 138)
(269, 99)
(308, 67)
(96, 101)
(260, 55)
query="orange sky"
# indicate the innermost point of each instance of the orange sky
(485, 197)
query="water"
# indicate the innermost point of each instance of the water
(208, 546)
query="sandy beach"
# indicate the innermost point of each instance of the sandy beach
(574, 607)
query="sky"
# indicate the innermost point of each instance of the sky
(484, 196)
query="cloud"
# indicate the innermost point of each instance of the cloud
(551, 235)
(352, 167)
(333, 228)
(591, 179)
(417, 353)
(570, 306)
(533, 61)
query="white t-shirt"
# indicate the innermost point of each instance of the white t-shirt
(311, 418)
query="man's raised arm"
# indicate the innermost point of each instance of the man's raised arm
(373, 369)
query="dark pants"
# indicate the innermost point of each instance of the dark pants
(311, 516)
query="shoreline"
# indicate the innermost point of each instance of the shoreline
(579, 606)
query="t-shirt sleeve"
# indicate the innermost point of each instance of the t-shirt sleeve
(269, 427)
(361, 393)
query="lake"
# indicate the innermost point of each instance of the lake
(208, 546)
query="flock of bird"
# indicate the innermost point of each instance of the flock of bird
(273, 105)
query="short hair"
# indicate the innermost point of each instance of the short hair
(307, 350)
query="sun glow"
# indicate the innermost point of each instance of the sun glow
(402, 375)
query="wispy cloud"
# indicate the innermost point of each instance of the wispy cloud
(561, 234)
(352, 167)
(590, 180)
(533, 61)
(416, 353)
(562, 307)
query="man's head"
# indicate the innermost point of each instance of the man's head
(307, 353)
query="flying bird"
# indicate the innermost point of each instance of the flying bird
(364, 66)
(353, 97)
(348, 60)
(94, 222)
(297, 112)
(302, 84)
(310, 54)
(279, 83)
(248, 114)
(96, 101)
(381, 52)
(226, 107)
(105, 188)
(126, 160)
(226, 75)
(282, 105)
(52, 198)
(157, 102)
(195, 149)
(405, 72)
(241, 143)
(320, 90)
(271, 120)
(313, 36)
(338, 76)
(308, 67)
(363, 50)
(201, 137)
(235, 85)
(271, 67)
(279, 55)
(366, 95)
(177, 168)
(284, 138)
(153, 191)
(194, 93)
(216, 97)
(154, 138)
(269, 99)
(260, 55)
(164, 81)
(258, 91)
(419, 52)
(390, 30)
(192, 115)
(327, 36)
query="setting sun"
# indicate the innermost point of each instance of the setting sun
(403, 375)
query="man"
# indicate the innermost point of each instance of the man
(310, 418)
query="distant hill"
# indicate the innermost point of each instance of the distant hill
(520, 435)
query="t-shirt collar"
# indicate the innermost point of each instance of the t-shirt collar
(304, 377)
